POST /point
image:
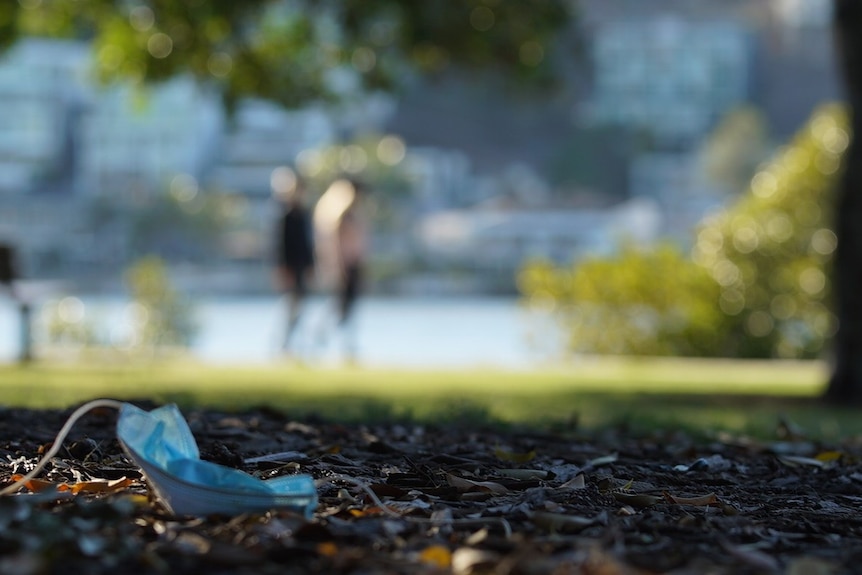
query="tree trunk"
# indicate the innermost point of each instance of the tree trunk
(845, 385)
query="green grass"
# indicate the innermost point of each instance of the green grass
(646, 394)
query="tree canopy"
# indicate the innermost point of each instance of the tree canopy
(296, 51)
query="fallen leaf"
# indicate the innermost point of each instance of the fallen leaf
(365, 512)
(637, 499)
(829, 456)
(603, 460)
(577, 482)
(800, 461)
(468, 485)
(36, 485)
(560, 522)
(101, 486)
(477, 537)
(523, 474)
(327, 549)
(436, 555)
(708, 499)
(97, 486)
(466, 560)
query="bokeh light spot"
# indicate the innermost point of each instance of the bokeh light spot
(353, 159)
(824, 241)
(482, 18)
(531, 53)
(731, 302)
(110, 56)
(782, 306)
(807, 213)
(142, 18)
(836, 140)
(283, 182)
(220, 64)
(160, 45)
(391, 150)
(725, 272)
(759, 323)
(827, 164)
(779, 228)
(309, 163)
(812, 281)
(363, 59)
(71, 309)
(763, 184)
(184, 187)
(745, 239)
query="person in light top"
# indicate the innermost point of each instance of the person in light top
(342, 243)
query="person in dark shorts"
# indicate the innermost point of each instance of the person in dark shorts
(352, 251)
(294, 245)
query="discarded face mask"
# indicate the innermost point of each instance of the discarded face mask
(162, 445)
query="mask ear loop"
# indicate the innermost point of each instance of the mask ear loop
(507, 529)
(58, 442)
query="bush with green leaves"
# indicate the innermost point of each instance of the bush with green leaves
(756, 284)
(640, 302)
(164, 318)
(770, 252)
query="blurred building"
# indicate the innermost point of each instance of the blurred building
(67, 144)
(43, 86)
(494, 243)
(668, 78)
(663, 70)
(136, 142)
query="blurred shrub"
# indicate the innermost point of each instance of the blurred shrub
(756, 285)
(641, 302)
(771, 251)
(732, 153)
(164, 318)
(67, 324)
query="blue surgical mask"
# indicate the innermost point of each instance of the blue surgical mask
(162, 445)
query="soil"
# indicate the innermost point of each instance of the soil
(449, 498)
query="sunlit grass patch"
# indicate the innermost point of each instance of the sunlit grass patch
(709, 395)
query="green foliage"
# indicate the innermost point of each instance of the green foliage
(67, 324)
(757, 284)
(184, 224)
(296, 51)
(735, 149)
(770, 252)
(376, 161)
(164, 318)
(640, 302)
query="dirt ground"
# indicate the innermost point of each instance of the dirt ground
(455, 499)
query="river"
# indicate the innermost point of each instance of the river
(387, 332)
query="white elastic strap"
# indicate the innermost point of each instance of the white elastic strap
(420, 520)
(58, 442)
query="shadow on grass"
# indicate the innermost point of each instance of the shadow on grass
(699, 415)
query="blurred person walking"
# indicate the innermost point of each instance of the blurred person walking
(8, 277)
(294, 245)
(8, 271)
(342, 241)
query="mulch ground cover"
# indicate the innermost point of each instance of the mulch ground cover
(456, 498)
